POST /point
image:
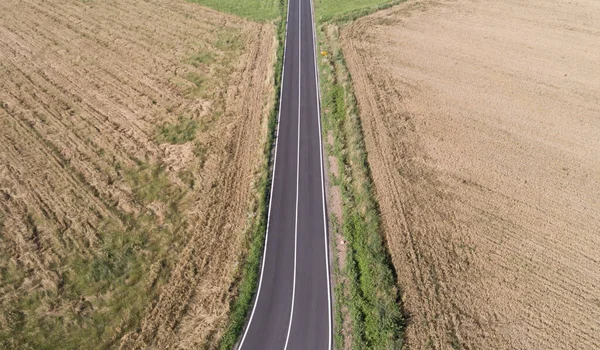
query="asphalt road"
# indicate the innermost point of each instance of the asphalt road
(293, 304)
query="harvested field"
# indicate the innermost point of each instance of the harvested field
(481, 121)
(131, 136)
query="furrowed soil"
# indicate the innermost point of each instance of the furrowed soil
(131, 137)
(481, 121)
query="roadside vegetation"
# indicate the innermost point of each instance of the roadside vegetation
(368, 310)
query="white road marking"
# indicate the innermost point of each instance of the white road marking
(325, 233)
(287, 338)
(272, 184)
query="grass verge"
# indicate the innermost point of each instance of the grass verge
(247, 283)
(368, 291)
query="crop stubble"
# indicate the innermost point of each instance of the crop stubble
(90, 177)
(481, 125)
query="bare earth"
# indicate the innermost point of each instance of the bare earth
(131, 134)
(482, 125)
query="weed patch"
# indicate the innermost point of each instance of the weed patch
(201, 85)
(202, 58)
(182, 131)
(100, 296)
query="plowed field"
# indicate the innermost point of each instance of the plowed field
(131, 134)
(482, 122)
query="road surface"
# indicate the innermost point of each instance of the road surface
(292, 309)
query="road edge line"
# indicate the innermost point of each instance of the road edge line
(325, 217)
(287, 338)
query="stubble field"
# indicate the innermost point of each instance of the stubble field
(481, 126)
(131, 136)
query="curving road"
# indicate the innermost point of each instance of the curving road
(292, 309)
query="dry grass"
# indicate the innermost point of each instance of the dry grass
(131, 135)
(481, 125)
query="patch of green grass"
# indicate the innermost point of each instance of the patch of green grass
(247, 282)
(105, 285)
(343, 10)
(101, 295)
(149, 183)
(229, 42)
(202, 85)
(182, 131)
(374, 305)
(255, 10)
(105, 289)
(202, 58)
(211, 67)
(339, 287)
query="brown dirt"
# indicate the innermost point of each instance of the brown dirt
(112, 232)
(481, 125)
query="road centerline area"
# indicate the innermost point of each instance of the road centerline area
(292, 309)
(287, 338)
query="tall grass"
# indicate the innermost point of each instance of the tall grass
(247, 283)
